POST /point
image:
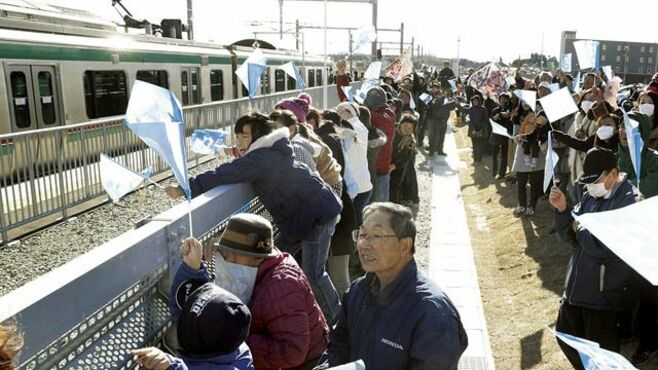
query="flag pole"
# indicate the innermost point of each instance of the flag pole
(189, 212)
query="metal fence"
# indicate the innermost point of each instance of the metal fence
(90, 312)
(44, 173)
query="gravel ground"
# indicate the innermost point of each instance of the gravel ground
(46, 250)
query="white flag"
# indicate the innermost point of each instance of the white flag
(373, 71)
(592, 356)
(558, 104)
(587, 52)
(551, 161)
(565, 63)
(527, 96)
(630, 233)
(498, 129)
(118, 180)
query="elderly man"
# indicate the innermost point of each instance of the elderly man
(395, 317)
(288, 329)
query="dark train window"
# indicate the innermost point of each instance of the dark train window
(279, 80)
(183, 83)
(106, 93)
(318, 77)
(265, 81)
(155, 77)
(20, 99)
(216, 85)
(196, 91)
(47, 98)
(311, 78)
(292, 83)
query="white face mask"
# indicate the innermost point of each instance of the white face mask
(647, 109)
(598, 190)
(586, 105)
(237, 279)
(605, 132)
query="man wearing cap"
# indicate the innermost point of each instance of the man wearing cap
(288, 329)
(394, 317)
(600, 288)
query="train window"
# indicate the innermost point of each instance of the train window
(318, 77)
(265, 81)
(196, 91)
(48, 114)
(216, 85)
(311, 78)
(155, 77)
(106, 93)
(19, 96)
(279, 80)
(292, 83)
(183, 83)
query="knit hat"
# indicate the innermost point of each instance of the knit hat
(375, 98)
(212, 322)
(248, 234)
(298, 107)
(305, 97)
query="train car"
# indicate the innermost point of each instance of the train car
(63, 66)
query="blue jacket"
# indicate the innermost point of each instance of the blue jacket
(596, 277)
(297, 199)
(185, 282)
(410, 324)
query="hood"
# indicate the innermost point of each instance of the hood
(375, 98)
(645, 125)
(268, 140)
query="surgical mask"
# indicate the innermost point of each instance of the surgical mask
(605, 132)
(647, 109)
(237, 279)
(597, 190)
(586, 105)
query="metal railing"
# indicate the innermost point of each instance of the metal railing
(44, 173)
(119, 289)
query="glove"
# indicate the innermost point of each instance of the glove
(560, 136)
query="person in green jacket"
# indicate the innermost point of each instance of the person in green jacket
(649, 162)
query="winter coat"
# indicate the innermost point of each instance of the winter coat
(326, 164)
(597, 278)
(581, 128)
(297, 199)
(439, 110)
(384, 119)
(240, 359)
(404, 184)
(355, 146)
(648, 164)
(410, 324)
(288, 328)
(503, 121)
(342, 80)
(479, 125)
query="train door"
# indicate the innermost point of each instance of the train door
(190, 86)
(33, 97)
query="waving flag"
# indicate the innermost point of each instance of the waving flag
(393, 69)
(207, 141)
(249, 72)
(527, 96)
(349, 92)
(558, 104)
(425, 98)
(293, 72)
(155, 115)
(118, 180)
(635, 144)
(498, 129)
(576, 82)
(489, 78)
(588, 53)
(551, 161)
(363, 37)
(593, 356)
(565, 63)
(407, 65)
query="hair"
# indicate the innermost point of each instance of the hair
(400, 218)
(314, 114)
(11, 342)
(409, 118)
(331, 115)
(364, 116)
(654, 99)
(260, 125)
(286, 117)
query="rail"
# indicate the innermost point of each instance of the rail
(90, 312)
(45, 175)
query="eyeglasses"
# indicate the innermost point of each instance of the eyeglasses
(358, 235)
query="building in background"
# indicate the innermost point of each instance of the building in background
(632, 61)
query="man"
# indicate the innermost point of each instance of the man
(383, 118)
(288, 329)
(436, 118)
(445, 75)
(394, 317)
(600, 288)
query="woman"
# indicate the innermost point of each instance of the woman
(302, 206)
(648, 104)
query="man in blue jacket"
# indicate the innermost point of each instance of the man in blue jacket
(394, 317)
(600, 288)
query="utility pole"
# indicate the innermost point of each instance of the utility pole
(350, 49)
(541, 57)
(374, 23)
(190, 20)
(625, 61)
(297, 34)
(457, 66)
(324, 68)
(401, 38)
(280, 19)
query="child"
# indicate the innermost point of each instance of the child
(530, 140)
(404, 184)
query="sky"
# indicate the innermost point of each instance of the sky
(488, 30)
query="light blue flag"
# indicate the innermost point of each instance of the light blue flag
(256, 57)
(155, 115)
(593, 356)
(364, 36)
(254, 72)
(425, 98)
(207, 141)
(588, 53)
(349, 92)
(118, 180)
(551, 161)
(554, 87)
(635, 144)
(576, 82)
(565, 63)
(292, 71)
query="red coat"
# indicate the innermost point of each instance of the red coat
(384, 119)
(342, 80)
(287, 325)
